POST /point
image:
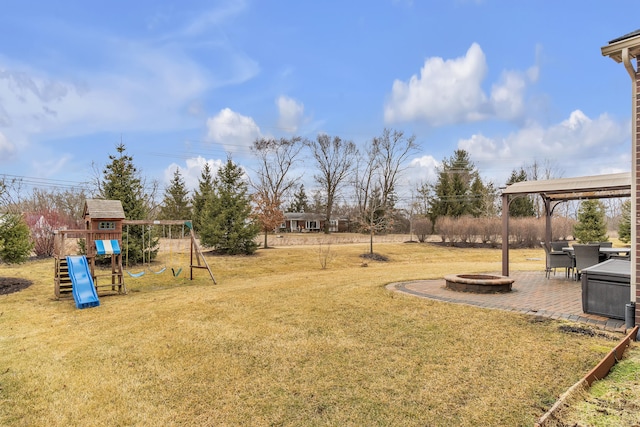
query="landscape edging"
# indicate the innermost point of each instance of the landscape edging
(597, 373)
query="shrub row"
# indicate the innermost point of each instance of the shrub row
(523, 232)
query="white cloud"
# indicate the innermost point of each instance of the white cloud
(533, 73)
(213, 18)
(422, 170)
(7, 149)
(124, 84)
(154, 91)
(233, 130)
(445, 92)
(507, 96)
(192, 171)
(579, 145)
(450, 91)
(485, 149)
(52, 165)
(195, 108)
(37, 104)
(291, 114)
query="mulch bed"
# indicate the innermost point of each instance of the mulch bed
(572, 329)
(374, 256)
(9, 285)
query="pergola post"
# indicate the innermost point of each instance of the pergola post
(547, 220)
(624, 49)
(505, 234)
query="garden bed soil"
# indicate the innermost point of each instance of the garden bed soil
(9, 285)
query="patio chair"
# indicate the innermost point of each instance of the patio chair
(604, 257)
(557, 260)
(586, 255)
(557, 246)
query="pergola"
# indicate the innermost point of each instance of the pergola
(555, 191)
(625, 50)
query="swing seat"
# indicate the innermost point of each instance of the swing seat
(159, 271)
(135, 274)
(177, 272)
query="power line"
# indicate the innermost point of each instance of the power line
(44, 182)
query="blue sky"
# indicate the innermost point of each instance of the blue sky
(186, 82)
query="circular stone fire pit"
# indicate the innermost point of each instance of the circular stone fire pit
(478, 283)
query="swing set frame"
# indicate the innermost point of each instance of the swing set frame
(196, 258)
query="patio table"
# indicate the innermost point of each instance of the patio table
(607, 251)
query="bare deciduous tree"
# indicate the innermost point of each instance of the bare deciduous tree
(10, 190)
(274, 180)
(334, 158)
(377, 178)
(545, 170)
(393, 150)
(277, 158)
(66, 204)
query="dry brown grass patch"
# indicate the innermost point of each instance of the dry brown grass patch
(281, 341)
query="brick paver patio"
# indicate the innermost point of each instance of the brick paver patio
(556, 298)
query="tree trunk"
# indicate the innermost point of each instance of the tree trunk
(371, 231)
(371, 242)
(265, 239)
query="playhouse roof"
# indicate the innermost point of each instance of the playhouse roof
(103, 209)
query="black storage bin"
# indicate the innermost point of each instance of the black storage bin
(606, 288)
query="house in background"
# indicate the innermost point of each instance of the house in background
(304, 222)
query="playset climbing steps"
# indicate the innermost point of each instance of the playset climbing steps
(63, 285)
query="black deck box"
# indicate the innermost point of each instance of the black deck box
(606, 288)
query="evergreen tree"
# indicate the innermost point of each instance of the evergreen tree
(175, 204)
(200, 195)
(318, 204)
(459, 189)
(227, 222)
(521, 206)
(122, 181)
(591, 226)
(300, 201)
(624, 228)
(15, 239)
(479, 204)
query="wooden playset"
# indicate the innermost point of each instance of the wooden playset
(102, 236)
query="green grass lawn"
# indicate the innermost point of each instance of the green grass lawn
(612, 401)
(280, 341)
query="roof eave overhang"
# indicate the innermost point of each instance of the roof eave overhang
(614, 50)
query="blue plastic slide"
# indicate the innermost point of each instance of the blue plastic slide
(83, 290)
